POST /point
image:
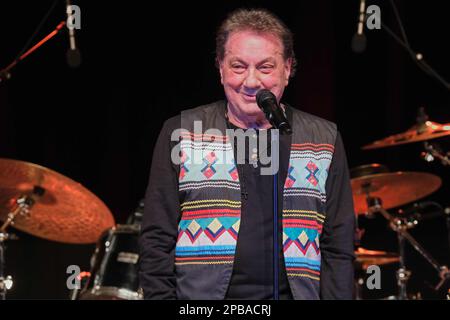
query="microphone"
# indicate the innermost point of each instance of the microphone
(268, 103)
(359, 40)
(73, 54)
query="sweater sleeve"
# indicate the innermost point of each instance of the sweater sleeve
(337, 239)
(160, 221)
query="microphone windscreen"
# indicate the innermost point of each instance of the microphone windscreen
(73, 58)
(359, 43)
(263, 95)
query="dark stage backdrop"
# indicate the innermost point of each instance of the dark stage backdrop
(143, 63)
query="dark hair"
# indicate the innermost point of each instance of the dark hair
(259, 20)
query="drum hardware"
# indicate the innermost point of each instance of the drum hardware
(401, 226)
(434, 151)
(83, 277)
(421, 211)
(375, 190)
(23, 206)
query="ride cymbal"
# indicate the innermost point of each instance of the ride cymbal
(67, 212)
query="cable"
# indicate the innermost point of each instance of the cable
(27, 44)
(417, 57)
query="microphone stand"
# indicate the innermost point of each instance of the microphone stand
(275, 114)
(416, 56)
(5, 73)
(274, 137)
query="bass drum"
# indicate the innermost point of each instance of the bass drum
(114, 266)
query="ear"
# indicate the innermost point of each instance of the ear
(287, 70)
(220, 65)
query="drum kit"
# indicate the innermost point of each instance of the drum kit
(49, 205)
(376, 190)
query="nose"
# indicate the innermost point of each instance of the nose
(252, 81)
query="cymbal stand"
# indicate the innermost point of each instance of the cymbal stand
(433, 151)
(24, 204)
(400, 226)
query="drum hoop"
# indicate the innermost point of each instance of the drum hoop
(127, 228)
(113, 292)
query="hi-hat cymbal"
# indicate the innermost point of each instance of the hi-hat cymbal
(430, 130)
(67, 212)
(393, 188)
(366, 257)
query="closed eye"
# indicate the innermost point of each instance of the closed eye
(238, 68)
(266, 68)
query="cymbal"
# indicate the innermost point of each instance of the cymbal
(67, 212)
(366, 257)
(393, 188)
(430, 130)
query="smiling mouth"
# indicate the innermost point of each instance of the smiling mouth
(249, 97)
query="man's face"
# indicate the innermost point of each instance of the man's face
(253, 61)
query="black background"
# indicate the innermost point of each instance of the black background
(143, 62)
